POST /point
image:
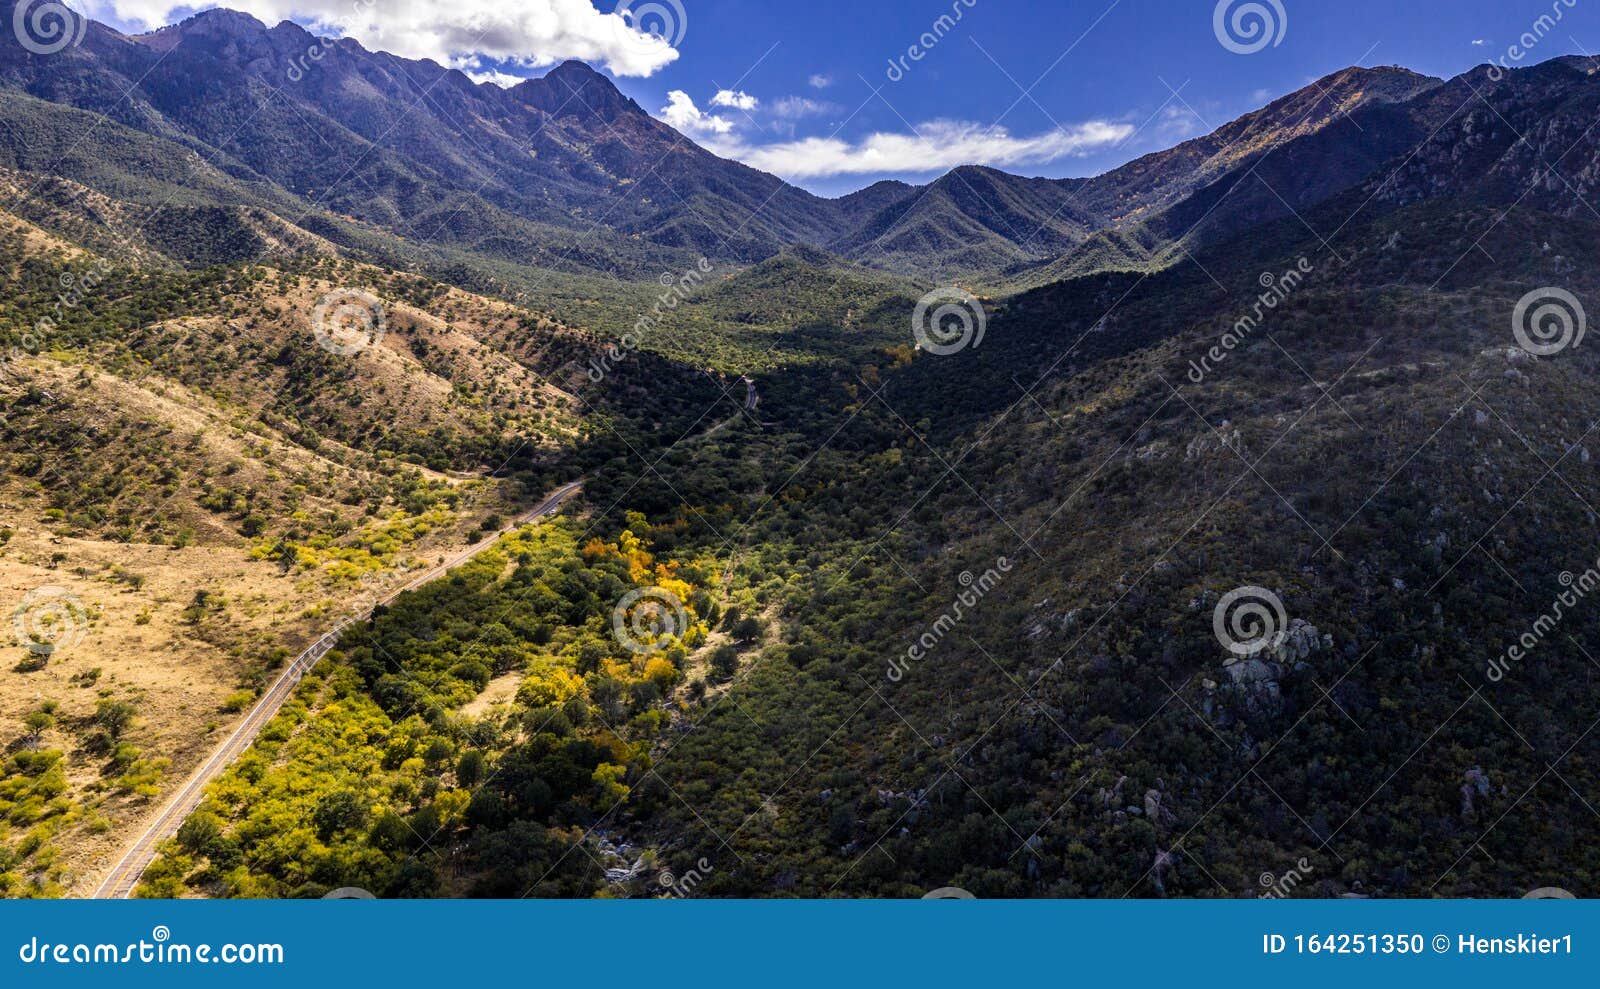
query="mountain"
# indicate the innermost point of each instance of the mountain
(984, 220)
(1004, 662)
(561, 173)
(972, 219)
(422, 151)
(929, 615)
(1158, 180)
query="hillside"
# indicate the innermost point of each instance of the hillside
(981, 220)
(914, 525)
(206, 470)
(966, 637)
(408, 164)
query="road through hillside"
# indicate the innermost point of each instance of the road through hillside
(124, 875)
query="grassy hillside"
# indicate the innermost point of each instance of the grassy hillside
(206, 469)
(843, 608)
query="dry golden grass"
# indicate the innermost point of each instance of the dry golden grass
(139, 643)
(136, 635)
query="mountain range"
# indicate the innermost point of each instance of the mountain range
(1327, 355)
(565, 172)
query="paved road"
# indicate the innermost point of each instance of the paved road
(124, 876)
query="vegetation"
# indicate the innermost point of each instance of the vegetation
(407, 795)
(838, 710)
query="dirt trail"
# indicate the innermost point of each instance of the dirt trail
(119, 883)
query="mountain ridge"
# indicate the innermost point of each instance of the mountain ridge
(401, 144)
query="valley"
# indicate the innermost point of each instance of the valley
(1139, 535)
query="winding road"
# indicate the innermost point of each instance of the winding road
(124, 876)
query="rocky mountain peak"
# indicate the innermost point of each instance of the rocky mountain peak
(574, 89)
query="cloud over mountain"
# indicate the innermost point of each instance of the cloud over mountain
(462, 34)
(684, 115)
(934, 147)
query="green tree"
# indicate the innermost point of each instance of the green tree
(341, 810)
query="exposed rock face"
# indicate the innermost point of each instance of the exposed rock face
(1154, 811)
(1289, 649)
(1166, 864)
(1298, 641)
(1110, 797)
(621, 862)
(1256, 676)
(1245, 672)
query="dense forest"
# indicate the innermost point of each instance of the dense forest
(1080, 719)
(905, 542)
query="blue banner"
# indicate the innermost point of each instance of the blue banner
(743, 943)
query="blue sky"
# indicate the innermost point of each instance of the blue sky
(1066, 87)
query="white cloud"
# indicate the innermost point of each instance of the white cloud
(681, 113)
(795, 107)
(1178, 123)
(735, 99)
(504, 80)
(820, 81)
(938, 146)
(1479, 41)
(1261, 95)
(530, 33)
